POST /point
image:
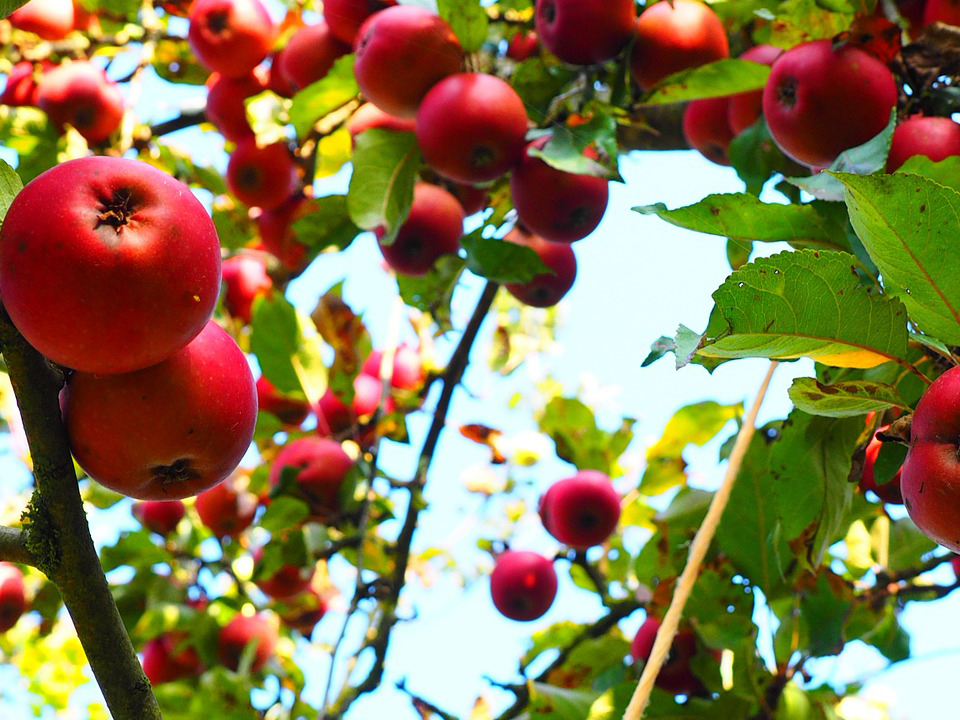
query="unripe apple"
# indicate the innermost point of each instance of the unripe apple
(166, 658)
(706, 128)
(557, 205)
(138, 280)
(889, 492)
(50, 19)
(309, 55)
(13, 599)
(160, 516)
(368, 117)
(230, 37)
(471, 127)
(81, 95)
(744, 109)
(401, 53)
(286, 581)
(934, 137)
(523, 45)
(930, 478)
(263, 177)
(290, 411)
(407, 368)
(585, 32)
(523, 585)
(675, 36)
(320, 466)
(240, 632)
(346, 16)
(820, 101)
(225, 103)
(675, 676)
(227, 509)
(244, 279)
(545, 289)
(582, 510)
(433, 228)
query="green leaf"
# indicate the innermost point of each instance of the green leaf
(908, 224)
(844, 399)
(573, 429)
(10, 185)
(284, 513)
(326, 223)
(799, 21)
(317, 100)
(745, 217)
(823, 610)
(135, 549)
(501, 262)
(564, 151)
(381, 188)
(907, 545)
(720, 609)
(468, 20)
(804, 304)
(8, 6)
(557, 703)
(715, 79)
(946, 172)
(538, 83)
(433, 292)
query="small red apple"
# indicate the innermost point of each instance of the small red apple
(227, 509)
(290, 411)
(523, 45)
(346, 16)
(225, 102)
(745, 109)
(286, 581)
(81, 95)
(240, 632)
(407, 368)
(163, 662)
(585, 32)
(889, 492)
(955, 565)
(320, 466)
(244, 279)
(23, 84)
(50, 19)
(13, 599)
(934, 137)
(309, 55)
(368, 116)
(230, 37)
(545, 289)
(675, 676)
(277, 236)
(302, 612)
(160, 516)
(582, 510)
(263, 177)
(523, 585)
(433, 228)
(706, 128)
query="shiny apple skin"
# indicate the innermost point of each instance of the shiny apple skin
(309, 55)
(745, 109)
(433, 228)
(706, 128)
(585, 32)
(582, 510)
(548, 288)
(81, 95)
(934, 137)
(523, 585)
(240, 632)
(13, 598)
(230, 37)
(321, 466)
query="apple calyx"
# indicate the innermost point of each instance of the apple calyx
(117, 211)
(180, 471)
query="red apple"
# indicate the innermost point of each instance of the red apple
(582, 510)
(309, 55)
(81, 95)
(302, 612)
(523, 45)
(368, 116)
(706, 128)
(675, 676)
(13, 599)
(290, 411)
(277, 236)
(473, 199)
(955, 566)
(225, 103)
(889, 492)
(820, 101)
(945, 11)
(433, 228)
(23, 84)
(471, 127)
(523, 585)
(545, 289)
(240, 632)
(319, 466)
(230, 37)
(557, 205)
(585, 32)
(934, 137)
(346, 16)
(744, 109)
(244, 279)
(333, 416)
(138, 280)
(169, 431)
(401, 53)
(263, 177)
(407, 368)
(286, 581)
(50, 19)
(160, 516)
(227, 509)
(163, 662)
(675, 36)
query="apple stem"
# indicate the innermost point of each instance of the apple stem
(698, 550)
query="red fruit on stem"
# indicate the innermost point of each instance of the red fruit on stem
(473, 199)
(277, 236)
(675, 36)
(675, 676)
(744, 109)
(138, 280)
(168, 431)
(889, 492)
(163, 662)
(240, 632)
(244, 279)
(225, 103)
(955, 566)
(230, 37)
(820, 101)
(290, 411)
(13, 599)
(81, 95)
(407, 368)
(559, 206)
(50, 19)
(333, 416)
(286, 581)
(227, 509)
(320, 466)
(302, 612)
(346, 16)
(706, 128)
(309, 55)
(368, 117)
(523, 585)
(523, 45)
(160, 516)
(23, 86)
(401, 53)
(934, 137)
(582, 510)
(585, 32)
(545, 289)
(263, 177)
(433, 228)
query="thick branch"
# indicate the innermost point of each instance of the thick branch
(13, 547)
(59, 538)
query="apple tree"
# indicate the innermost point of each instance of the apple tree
(176, 168)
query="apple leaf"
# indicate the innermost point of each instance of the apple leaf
(906, 545)
(799, 21)
(573, 428)
(538, 82)
(433, 292)
(844, 399)
(10, 185)
(804, 304)
(559, 703)
(284, 513)
(501, 262)
(720, 609)
(469, 22)
(8, 6)
(326, 223)
(740, 216)
(756, 157)
(946, 172)
(564, 152)
(317, 100)
(908, 224)
(716, 79)
(824, 609)
(385, 168)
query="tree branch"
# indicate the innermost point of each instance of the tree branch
(13, 547)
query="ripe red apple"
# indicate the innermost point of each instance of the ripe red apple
(286, 581)
(545, 289)
(263, 177)
(160, 516)
(320, 466)
(169, 431)
(557, 205)
(50, 19)
(945, 11)
(275, 226)
(290, 411)
(473, 199)
(227, 509)
(582, 510)
(23, 84)
(744, 109)
(240, 632)
(433, 228)
(955, 566)
(706, 128)
(163, 662)
(368, 116)
(675, 676)
(934, 137)
(309, 55)
(346, 16)
(523, 585)
(820, 101)
(302, 612)
(524, 44)
(230, 37)
(407, 368)
(471, 127)
(81, 95)
(13, 599)
(401, 53)
(889, 492)
(138, 280)
(585, 32)
(225, 102)
(930, 478)
(675, 36)
(244, 279)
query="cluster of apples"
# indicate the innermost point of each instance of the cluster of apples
(160, 403)
(580, 511)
